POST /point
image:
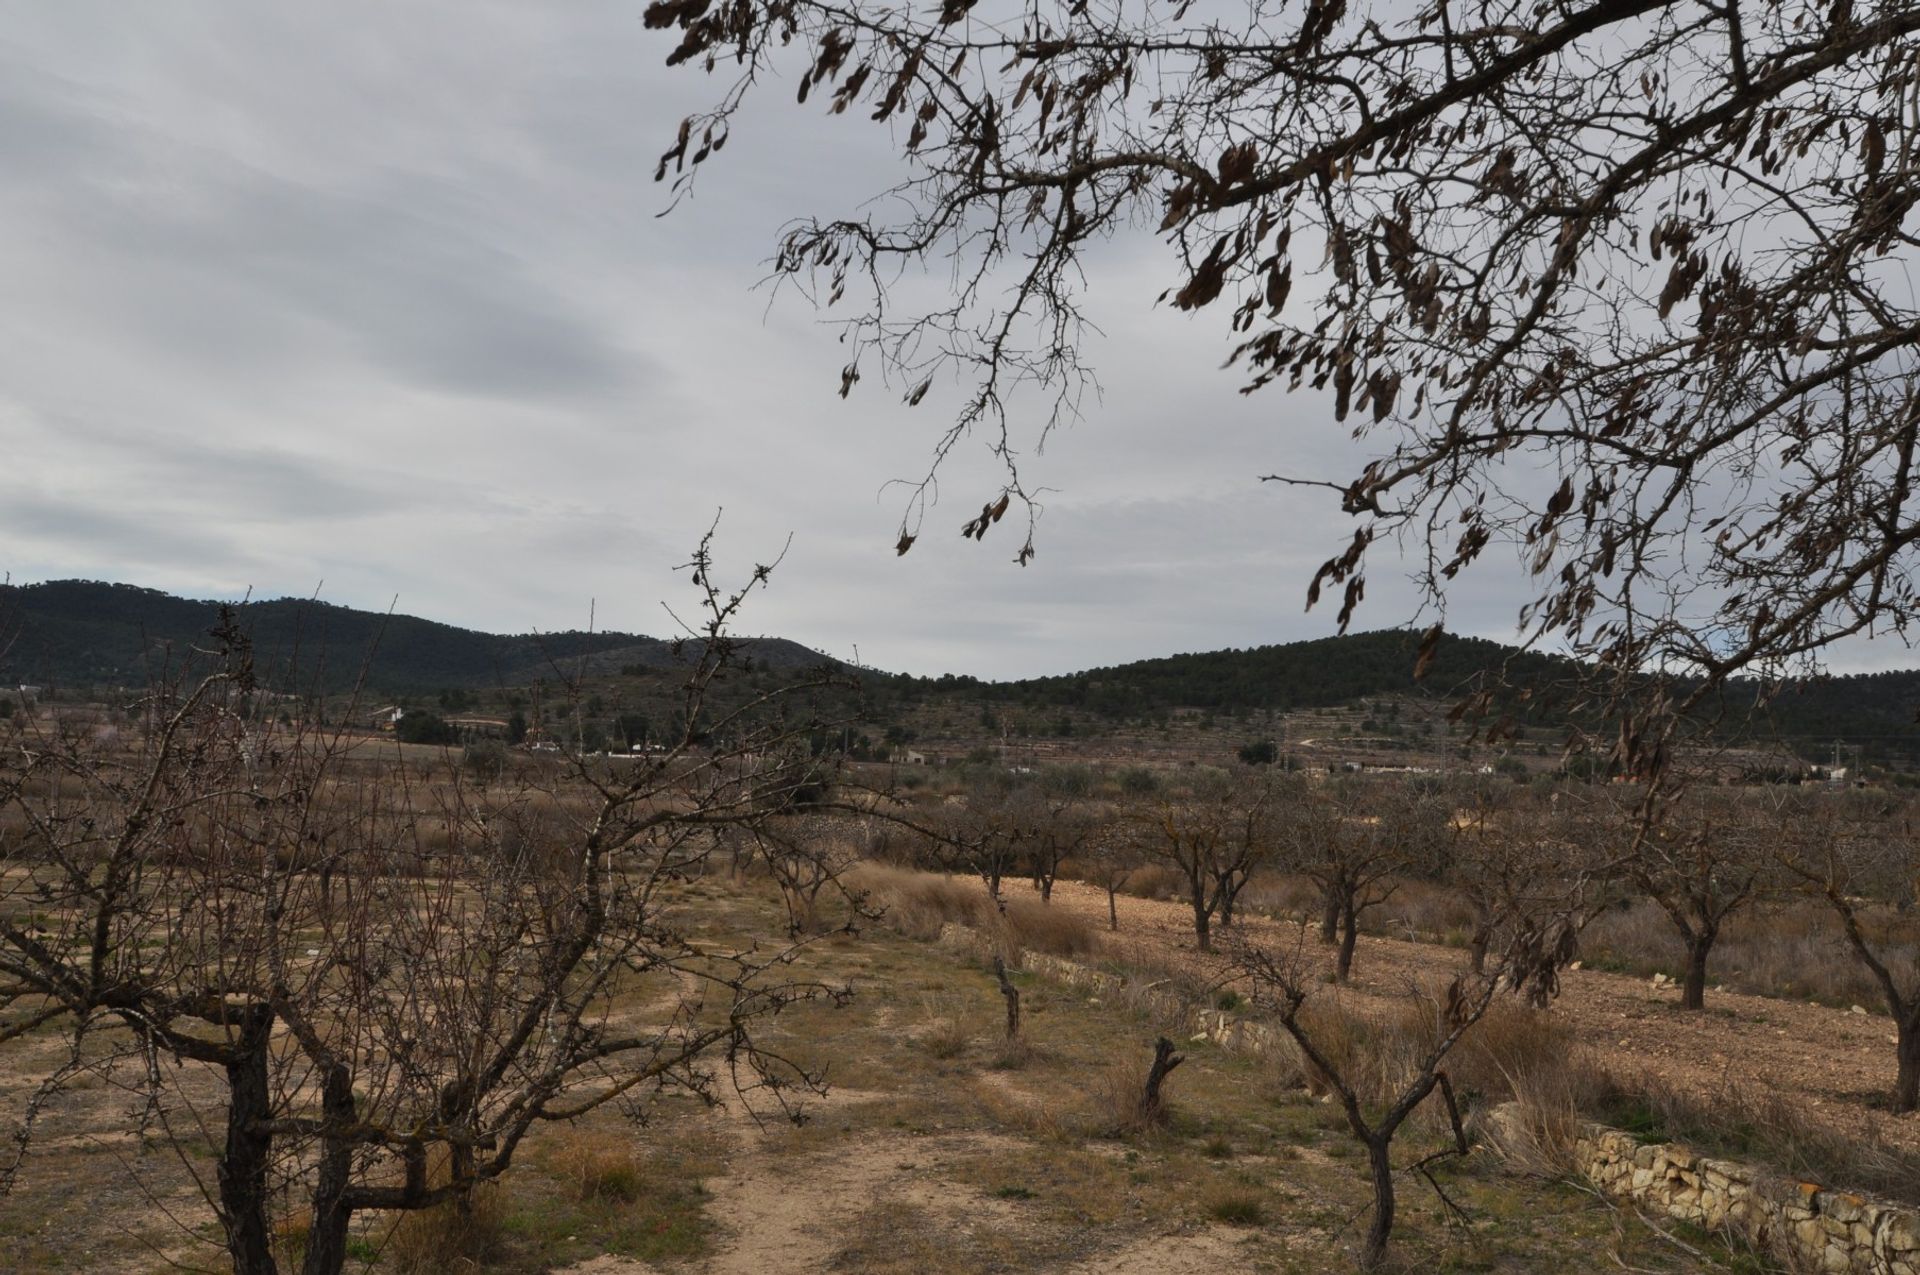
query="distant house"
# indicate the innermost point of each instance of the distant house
(907, 757)
(386, 718)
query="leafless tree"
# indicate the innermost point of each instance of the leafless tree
(1511, 849)
(1355, 841)
(805, 857)
(1701, 856)
(1537, 916)
(1214, 835)
(1112, 855)
(1593, 279)
(1062, 829)
(988, 834)
(1859, 857)
(391, 980)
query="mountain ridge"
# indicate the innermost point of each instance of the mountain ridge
(82, 633)
(89, 632)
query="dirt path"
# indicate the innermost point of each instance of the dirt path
(798, 1213)
(1836, 1060)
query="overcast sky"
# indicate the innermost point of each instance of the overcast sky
(374, 299)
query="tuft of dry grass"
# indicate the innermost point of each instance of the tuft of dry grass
(597, 1165)
(1120, 1103)
(941, 1032)
(290, 1234)
(1153, 881)
(461, 1234)
(1236, 1207)
(1040, 927)
(1031, 1117)
(1012, 1055)
(919, 904)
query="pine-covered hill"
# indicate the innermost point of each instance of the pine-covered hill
(85, 633)
(1877, 714)
(1871, 715)
(1320, 673)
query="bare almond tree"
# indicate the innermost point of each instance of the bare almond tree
(1594, 280)
(1112, 855)
(1859, 858)
(1214, 834)
(1702, 857)
(1537, 916)
(387, 979)
(1356, 841)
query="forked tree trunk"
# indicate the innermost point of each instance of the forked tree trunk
(1330, 917)
(327, 1239)
(1380, 1159)
(243, 1164)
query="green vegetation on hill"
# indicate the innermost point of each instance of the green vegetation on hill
(82, 634)
(79, 633)
(1313, 674)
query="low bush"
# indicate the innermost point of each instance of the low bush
(918, 904)
(598, 1165)
(1237, 1208)
(1153, 881)
(453, 1235)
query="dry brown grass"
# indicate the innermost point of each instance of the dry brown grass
(1793, 948)
(919, 904)
(942, 1031)
(453, 1236)
(597, 1164)
(1119, 1097)
(1152, 882)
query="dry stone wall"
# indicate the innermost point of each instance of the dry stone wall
(1824, 1230)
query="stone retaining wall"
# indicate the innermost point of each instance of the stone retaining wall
(1834, 1231)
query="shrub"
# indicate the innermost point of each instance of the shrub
(942, 1033)
(918, 904)
(452, 1233)
(1237, 1208)
(1153, 881)
(598, 1166)
(1120, 1104)
(1040, 927)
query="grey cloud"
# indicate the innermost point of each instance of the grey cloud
(115, 542)
(375, 295)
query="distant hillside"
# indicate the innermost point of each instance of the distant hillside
(1318, 673)
(83, 633)
(80, 634)
(1873, 715)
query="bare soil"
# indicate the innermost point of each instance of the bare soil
(1834, 1060)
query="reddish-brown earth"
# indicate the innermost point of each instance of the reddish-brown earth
(1832, 1060)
